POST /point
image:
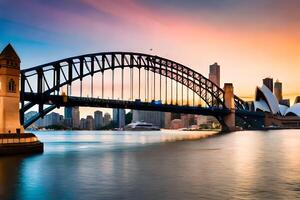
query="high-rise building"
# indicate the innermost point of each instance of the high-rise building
(278, 90)
(168, 119)
(214, 73)
(89, 122)
(49, 120)
(98, 119)
(187, 120)
(52, 119)
(82, 124)
(118, 118)
(106, 119)
(76, 117)
(68, 116)
(155, 117)
(269, 83)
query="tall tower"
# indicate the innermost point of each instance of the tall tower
(76, 117)
(69, 116)
(278, 90)
(98, 117)
(118, 118)
(269, 83)
(9, 91)
(214, 73)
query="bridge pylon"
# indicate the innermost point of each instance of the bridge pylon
(229, 120)
(9, 91)
(12, 137)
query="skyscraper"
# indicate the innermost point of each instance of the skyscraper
(278, 90)
(76, 117)
(214, 73)
(118, 118)
(82, 124)
(52, 119)
(106, 119)
(155, 117)
(98, 119)
(68, 116)
(89, 122)
(269, 83)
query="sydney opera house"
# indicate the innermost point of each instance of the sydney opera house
(278, 113)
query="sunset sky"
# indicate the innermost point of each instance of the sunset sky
(251, 40)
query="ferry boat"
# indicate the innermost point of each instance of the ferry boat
(141, 126)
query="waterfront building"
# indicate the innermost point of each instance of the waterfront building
(278, 90)
(75, 117)
(201, 119)
(68, 116)
(268, 82)
(168, 119)
(293, 110)
(154, 117)
(118, 118)
(214, 73)
(176, 124)
(98, 119)
(52, 119)
(106, 119)
(89, 123)
(82, 124)
(265, 100)
(187, 120)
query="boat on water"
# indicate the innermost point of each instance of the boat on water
(141, 126)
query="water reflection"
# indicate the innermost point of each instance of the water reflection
(9, 176)
(114, 165)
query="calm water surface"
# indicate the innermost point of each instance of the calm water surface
(130, 165)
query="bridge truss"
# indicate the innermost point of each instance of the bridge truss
(151, 79)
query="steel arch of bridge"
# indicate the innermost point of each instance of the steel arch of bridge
(68, 70)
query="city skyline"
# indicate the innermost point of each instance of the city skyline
(149, 99)
(254, 45)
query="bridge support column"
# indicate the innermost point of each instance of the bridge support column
(229, 120)
(12, 137)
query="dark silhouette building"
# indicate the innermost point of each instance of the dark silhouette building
(269, 83)
(214, 73)
(278, 90)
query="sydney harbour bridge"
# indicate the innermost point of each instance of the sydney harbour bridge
(131, 81)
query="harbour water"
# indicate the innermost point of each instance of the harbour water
(156, 165)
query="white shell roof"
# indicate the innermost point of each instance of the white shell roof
(295, 109)
(283, 109)
(261, 105)
(270, 98)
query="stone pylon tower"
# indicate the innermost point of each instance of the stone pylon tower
(229, 119)
(9, 91)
